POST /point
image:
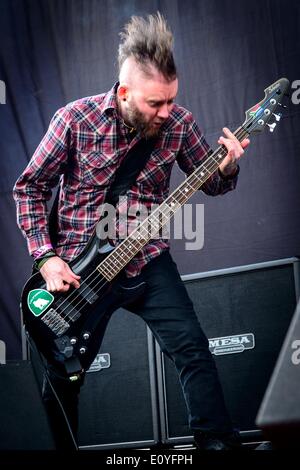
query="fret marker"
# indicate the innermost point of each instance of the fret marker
(202, 173)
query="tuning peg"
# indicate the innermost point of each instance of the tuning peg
(277, 116)
(272, 126)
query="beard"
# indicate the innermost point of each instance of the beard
(136, 119)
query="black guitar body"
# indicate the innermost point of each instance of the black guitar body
(62, 324)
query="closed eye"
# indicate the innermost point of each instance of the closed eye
(158, 104)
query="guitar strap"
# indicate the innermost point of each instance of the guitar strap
(131, 166)
(126, 175)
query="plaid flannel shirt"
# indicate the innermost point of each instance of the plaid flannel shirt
(85, 144)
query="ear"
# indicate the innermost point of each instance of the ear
(122, 92)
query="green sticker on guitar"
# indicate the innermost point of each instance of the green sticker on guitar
(38, 300)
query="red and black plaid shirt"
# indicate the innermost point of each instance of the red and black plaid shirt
(86, 143)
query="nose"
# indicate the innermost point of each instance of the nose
(164, 111)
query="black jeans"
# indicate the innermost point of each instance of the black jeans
(168, 311)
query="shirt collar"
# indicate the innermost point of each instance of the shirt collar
(109, 103)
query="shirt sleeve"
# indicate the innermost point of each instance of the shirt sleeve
(34, 187)
(194, 151)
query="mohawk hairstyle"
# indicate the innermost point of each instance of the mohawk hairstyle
(150, 42)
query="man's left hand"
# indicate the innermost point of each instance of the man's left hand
(235, 151)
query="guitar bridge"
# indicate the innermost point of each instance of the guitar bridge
(55, 322)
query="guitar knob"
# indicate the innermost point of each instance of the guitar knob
(272, 126)
(73, 340)
(82, 350)
(86, 335)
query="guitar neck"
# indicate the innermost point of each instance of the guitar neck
(150, 227)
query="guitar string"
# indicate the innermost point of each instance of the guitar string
(111, 256)
(107, 269)
(102, 281)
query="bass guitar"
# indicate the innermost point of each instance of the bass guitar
(62, 325)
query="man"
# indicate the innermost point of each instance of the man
(86, 143)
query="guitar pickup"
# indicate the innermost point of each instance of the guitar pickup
(87, 293)
(67, 310)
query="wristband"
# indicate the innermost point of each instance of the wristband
(42, 260)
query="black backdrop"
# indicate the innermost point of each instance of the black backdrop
(227, 51)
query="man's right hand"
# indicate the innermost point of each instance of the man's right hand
(58, 275)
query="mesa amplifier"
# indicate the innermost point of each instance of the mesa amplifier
(245, 312)
(118, 401)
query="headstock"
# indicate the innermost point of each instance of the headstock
(258, 116)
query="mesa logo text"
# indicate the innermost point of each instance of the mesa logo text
(231, 344)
